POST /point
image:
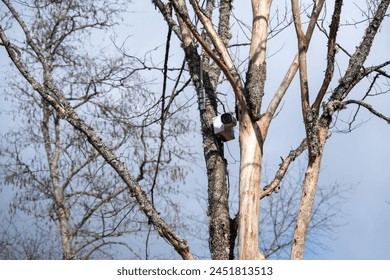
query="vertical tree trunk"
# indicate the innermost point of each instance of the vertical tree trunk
(213, 149)
(218, 204)
(251, 137)
(53, 151)
(66, 239)
(218, 200)
(250, 174)
(308, 195)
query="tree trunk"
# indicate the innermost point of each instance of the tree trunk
(251, 136)
(218, 206)
(218, 200)
(250, 174)
(53, 151)
(308, 195)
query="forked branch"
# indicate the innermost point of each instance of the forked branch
(224, 62)
(282, 89)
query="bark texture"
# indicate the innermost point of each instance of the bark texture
(252, 136)
(249, 189)
(218, 207)
(317, 127)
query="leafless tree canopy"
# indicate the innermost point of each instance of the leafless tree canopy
(100, 155)
(60, 177)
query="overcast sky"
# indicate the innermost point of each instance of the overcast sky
(358, 160)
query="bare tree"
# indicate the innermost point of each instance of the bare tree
(20, 241)
(211, 29)
(317, 123)
(73, 186)
(278, 218)
(216, 64)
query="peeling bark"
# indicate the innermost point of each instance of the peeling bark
(251, 143)
(307, 200)
(317, 127)
(252, 135)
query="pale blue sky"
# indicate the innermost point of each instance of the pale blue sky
(359, 159)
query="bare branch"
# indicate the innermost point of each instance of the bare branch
(308, 117)
(378, 69)
(282, 89)
(164, 112)
(331, 54)
(226, 64)
(217, 41)
(355, 71)
(72, 117)
(283, 168)
(166, 11)
(369, 108)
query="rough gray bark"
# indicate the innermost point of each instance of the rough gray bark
(218, 208)
(254, 88)
(220, 241)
